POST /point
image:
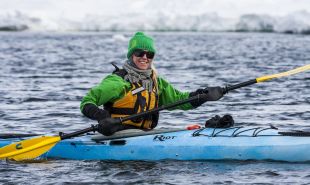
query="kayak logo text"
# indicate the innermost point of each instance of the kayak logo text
(163, 138)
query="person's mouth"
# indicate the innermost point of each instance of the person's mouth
(143, 62)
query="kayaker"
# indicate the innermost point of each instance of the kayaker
(136, 88)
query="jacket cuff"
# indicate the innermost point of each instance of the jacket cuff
(93, 112)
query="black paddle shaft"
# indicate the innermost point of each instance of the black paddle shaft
(181, 102)
(135, 116)
(237, 86)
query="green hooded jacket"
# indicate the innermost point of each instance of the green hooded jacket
(114, 87)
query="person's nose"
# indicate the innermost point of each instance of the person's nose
(144, 56)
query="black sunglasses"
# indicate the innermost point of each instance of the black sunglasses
(141, 53)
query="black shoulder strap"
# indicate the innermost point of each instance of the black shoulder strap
(115, 66)
(120, 72)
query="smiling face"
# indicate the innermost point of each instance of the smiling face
(141, 60)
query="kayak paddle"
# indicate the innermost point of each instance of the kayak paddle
(35, 147)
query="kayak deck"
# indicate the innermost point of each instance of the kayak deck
(235, 143)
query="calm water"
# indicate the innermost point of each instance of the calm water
(43, 77)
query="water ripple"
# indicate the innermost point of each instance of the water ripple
(44, 77)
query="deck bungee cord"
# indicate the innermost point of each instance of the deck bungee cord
(237, 132)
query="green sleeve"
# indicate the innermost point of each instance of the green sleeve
(168, 94)
(110, 89)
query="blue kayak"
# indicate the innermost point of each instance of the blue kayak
(235, 143)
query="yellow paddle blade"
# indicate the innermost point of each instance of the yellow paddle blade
(287, 73)
(28, 149)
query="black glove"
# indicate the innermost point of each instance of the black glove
(208, 94)
(93, 112)
(109, 126)
(220, 122)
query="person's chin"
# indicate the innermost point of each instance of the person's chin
(143, 67)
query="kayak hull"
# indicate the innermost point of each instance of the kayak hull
(204, 144)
